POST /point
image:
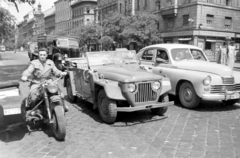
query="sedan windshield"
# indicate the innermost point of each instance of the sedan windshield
(179, 54)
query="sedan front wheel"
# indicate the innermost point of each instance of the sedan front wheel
(188, 97)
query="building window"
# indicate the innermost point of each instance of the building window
(228, 22)
(138, 4)
(169, 23)
(145, 4)
(158, 4)
(88, 10)
(210, 19)
(185, 20)
(120, 7)
(228, 2)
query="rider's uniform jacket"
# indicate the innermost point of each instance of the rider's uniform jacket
(39, 71)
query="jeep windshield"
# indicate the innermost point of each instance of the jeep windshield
(111, 57)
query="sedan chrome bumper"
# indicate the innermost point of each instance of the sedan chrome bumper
(222, 96)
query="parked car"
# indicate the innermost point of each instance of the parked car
(2, 48)
(192, 76)
(112, 81)
(63, 47)
(32, 49)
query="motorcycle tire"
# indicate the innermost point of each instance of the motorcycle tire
(59, 123)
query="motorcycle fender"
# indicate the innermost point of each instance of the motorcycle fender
(55, 98)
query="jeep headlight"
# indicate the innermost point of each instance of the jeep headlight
(156, 86)
(131, 87)
(207, 80)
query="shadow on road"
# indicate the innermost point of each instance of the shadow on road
(208, 106)
(13, 133)
(123, 118)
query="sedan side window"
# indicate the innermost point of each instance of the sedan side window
(162, 56)
(147, 55)
(197, 55)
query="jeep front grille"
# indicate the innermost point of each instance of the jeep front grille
(223, 88)
(145, 93)
(229, 80)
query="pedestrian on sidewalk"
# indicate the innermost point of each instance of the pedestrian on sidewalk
(230, 53)
(222, 54)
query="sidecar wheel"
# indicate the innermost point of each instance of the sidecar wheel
(59, 125)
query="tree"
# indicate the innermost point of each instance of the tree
(88, 34)
(7, 25)
(142, 28)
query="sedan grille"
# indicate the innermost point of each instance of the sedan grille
(145, 93)
(229, 80)
(223, 88)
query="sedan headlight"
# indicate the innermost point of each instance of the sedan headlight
(52, 87)
(156, 86)
(207, 80)
(131, 87)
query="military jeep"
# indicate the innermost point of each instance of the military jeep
(113, 82)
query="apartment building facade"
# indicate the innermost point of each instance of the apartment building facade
(49, 19)
(83, 12)
(63, 16)
(204, 23)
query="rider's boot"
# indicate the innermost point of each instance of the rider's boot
(65, 107)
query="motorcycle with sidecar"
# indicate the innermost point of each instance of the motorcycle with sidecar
(49, 109)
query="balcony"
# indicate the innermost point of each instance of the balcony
(169, 12)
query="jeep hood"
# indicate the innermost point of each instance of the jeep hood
(126, 73)
(204, 66)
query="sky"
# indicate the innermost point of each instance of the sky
(24, 8)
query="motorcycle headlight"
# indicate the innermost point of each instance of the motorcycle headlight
(207, 80)
(52, 87)
(156, 86)
(131, 87)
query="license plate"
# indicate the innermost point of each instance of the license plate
(235, 96)
(12, 111)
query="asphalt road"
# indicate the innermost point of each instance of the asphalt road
(212, 130)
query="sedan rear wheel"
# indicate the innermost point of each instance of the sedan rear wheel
(188, 96)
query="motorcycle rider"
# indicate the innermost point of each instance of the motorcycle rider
(41, 69)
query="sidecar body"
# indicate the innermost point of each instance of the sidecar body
(12, 112)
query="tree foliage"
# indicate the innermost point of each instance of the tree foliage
(141, 28)
(7, 22)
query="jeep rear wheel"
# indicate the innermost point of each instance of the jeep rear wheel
(106, 108)
(160, 111)
(188, 97)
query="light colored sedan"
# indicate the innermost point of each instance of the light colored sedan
(191, 74)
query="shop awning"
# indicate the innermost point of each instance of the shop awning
(208, 40)
(185, 39)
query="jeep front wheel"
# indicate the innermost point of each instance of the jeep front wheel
(160, 111)
(106, 108)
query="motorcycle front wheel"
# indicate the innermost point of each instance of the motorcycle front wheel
(59, 124)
